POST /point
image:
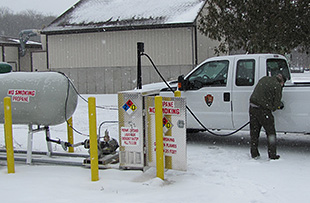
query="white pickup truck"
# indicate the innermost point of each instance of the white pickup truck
(217, 91)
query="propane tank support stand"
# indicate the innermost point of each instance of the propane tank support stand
(30, 141)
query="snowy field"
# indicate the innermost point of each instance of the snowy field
(219, 170)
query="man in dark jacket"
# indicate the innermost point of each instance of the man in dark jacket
(265, 99)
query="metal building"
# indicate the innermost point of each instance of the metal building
(95, 42)
(10, 53)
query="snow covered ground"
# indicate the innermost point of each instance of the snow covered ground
(219, 170)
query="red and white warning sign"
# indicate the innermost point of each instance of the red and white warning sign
(130, 136)
(170, 145)
(174, 132)
(168, 108)
(21, 95)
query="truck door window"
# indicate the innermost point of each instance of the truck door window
(212, 73)
(245, 72)
(275, 66)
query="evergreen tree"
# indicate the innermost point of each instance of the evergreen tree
(260, 26)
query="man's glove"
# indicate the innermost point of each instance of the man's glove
(281, 106)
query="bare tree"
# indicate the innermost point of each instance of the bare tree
(12, 23)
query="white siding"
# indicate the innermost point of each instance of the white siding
(11, 53)
(39, 61)
(11, 56)
(119, 49)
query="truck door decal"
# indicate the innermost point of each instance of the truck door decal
(209, 99)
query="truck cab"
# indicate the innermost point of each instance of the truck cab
(218, 92)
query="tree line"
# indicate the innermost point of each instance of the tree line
(12, 23)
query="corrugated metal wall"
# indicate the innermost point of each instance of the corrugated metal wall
(119, 49)
(39, 62)
(106, 62)
(11, 56)
(107, 80)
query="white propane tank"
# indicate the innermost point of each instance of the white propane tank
(38, 98)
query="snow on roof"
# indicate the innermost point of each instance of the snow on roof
(119, 13)
(15, 41)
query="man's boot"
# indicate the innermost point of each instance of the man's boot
(254, 152)
(272, 147)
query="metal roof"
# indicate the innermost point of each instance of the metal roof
(126, 14)
(11, 41)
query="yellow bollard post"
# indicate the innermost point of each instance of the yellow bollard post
(8, 134)
(177, 93)
(93, 138)
(70, 133)
(159, 137)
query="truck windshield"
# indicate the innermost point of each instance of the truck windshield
(275, 66)
(212, 73)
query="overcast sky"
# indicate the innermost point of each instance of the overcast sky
(53, 7)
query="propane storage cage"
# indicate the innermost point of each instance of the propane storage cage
(137, 130)
(38, 98)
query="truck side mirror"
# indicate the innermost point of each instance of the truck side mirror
(181, 83)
